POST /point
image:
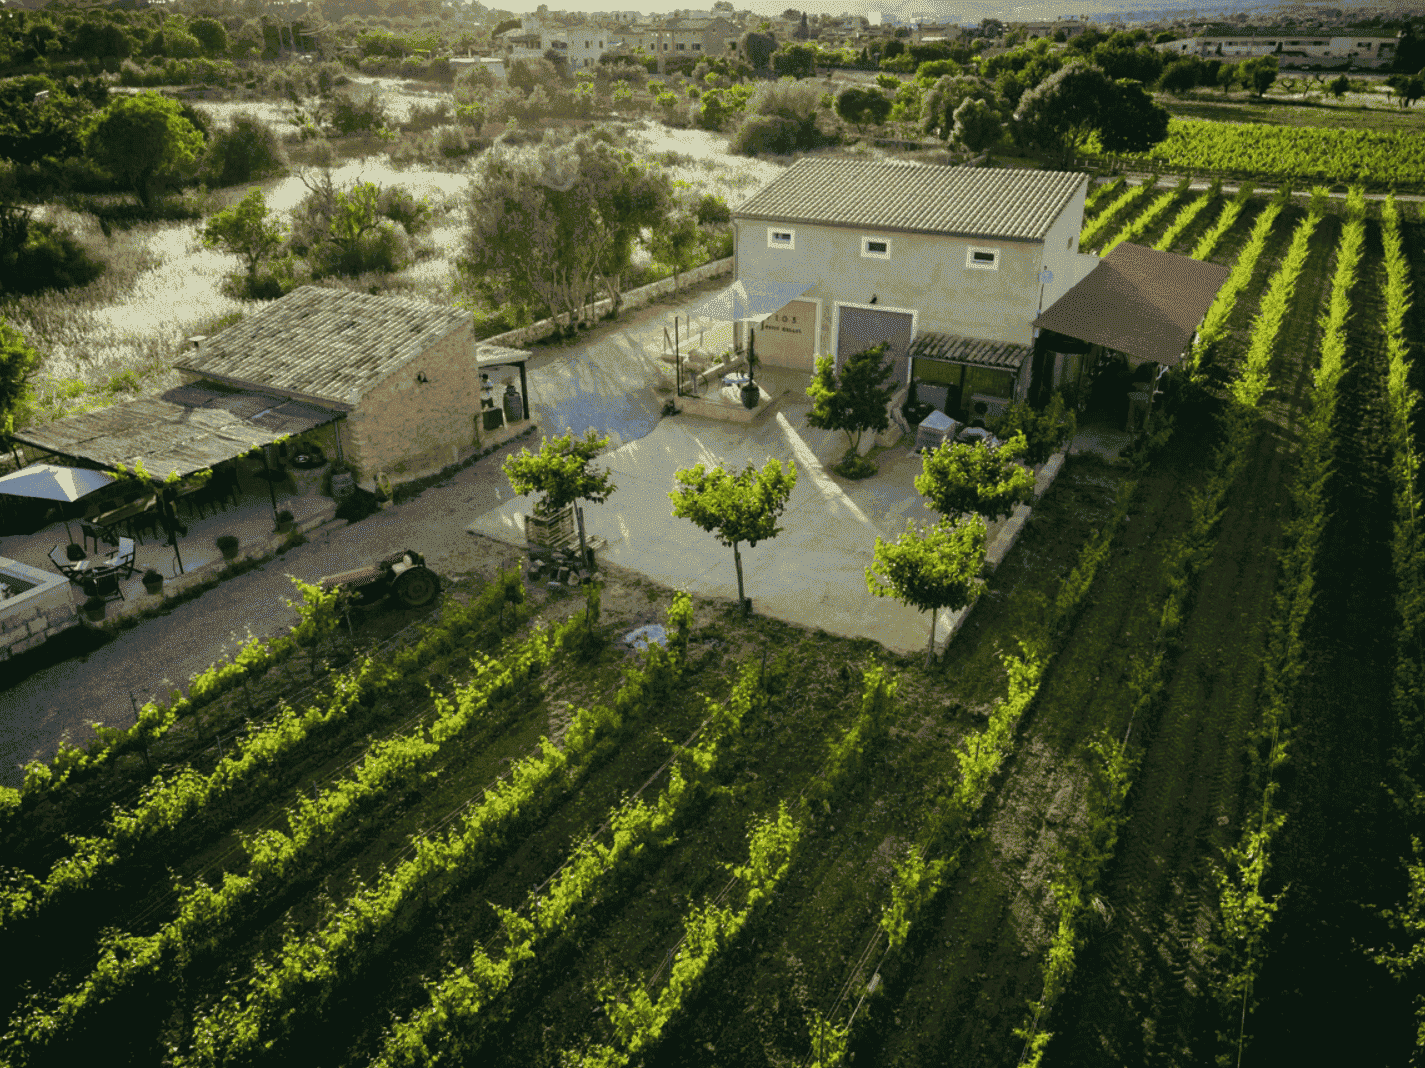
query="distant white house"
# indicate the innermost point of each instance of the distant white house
(1294, 50)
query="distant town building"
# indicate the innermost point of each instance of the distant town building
(1294, 50)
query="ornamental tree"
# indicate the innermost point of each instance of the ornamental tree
(736, 508)
(856, 402)
(931, 568)
(560, 471)
(145, 141)
(962, 477)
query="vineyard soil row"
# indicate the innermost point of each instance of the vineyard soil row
(1338, 851)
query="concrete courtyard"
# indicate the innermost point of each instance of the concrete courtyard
(813, 573)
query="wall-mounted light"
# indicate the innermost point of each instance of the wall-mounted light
(421, 377)
(874, 298)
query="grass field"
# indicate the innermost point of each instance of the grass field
(1329, 114)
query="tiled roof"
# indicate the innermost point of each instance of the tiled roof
(916, 197)
(955, 349)
(326, 344)
(185, 429)
(1143, 303)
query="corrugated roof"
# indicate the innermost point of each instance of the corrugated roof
(186, 429)
(955, 349)
(1143, 303)
(916, 197)
(326, 344)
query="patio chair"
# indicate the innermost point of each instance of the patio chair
(62, 563)
(121, 559)
(105, 585)
(95, 533)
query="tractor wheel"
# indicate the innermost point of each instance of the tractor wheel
(417, 587)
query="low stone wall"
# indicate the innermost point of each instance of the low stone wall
(715, 404)
(31, 617)
(634, 298)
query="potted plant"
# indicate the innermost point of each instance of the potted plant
(228, 546)
(152, 580)
(284, 521)
(74, 552)
(94, 609)
(750, 393)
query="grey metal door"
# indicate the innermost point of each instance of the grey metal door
(860, 328)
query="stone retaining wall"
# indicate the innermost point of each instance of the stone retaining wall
(31, 617)
(634, 298)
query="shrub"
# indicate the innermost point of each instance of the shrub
(398, 205)
(245, 149)
(425, 117)
(275, 278)
(451, 142)
(35, 256)
(352, 115)
(766, 135)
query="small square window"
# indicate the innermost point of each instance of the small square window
(697, 47)
(876, 248)
(781, 238)
(985, 259)
(682, 47)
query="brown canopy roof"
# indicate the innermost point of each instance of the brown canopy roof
(1144, 304)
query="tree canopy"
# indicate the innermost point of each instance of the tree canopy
(245, 230)
(862, 105)
(856, 400)
(561, 472)
(145, 141)
(962, 477)
(1079, 99)
(18, 363)
(735, 508)
(546, 223)
(931, 568)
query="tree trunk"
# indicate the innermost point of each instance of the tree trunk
(930, 646)
(741, 599)
(583, 542)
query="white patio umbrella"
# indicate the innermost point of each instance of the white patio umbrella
(51, 482)
(752, 300)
